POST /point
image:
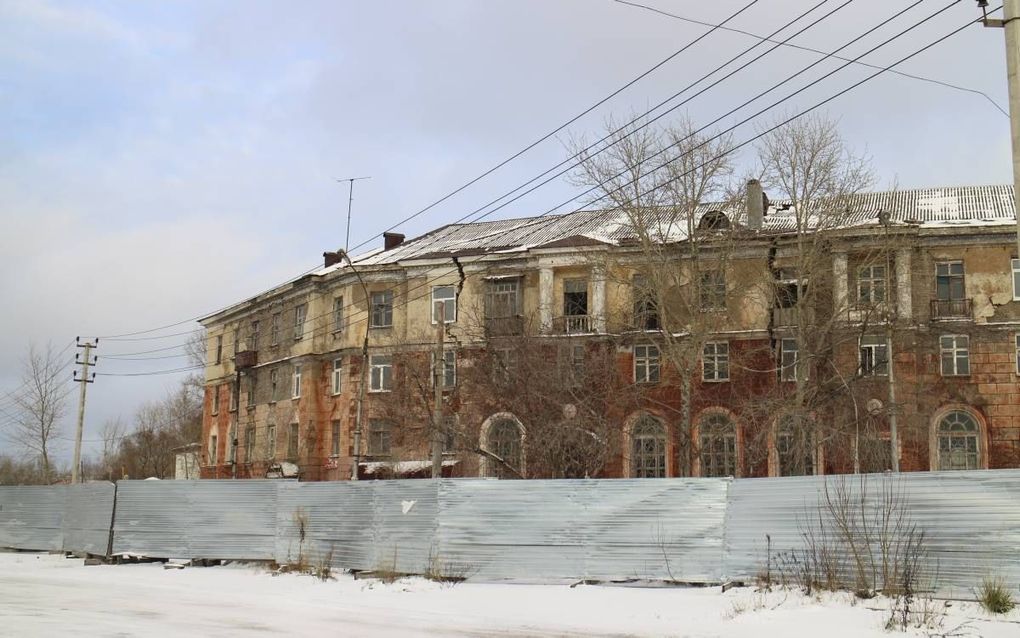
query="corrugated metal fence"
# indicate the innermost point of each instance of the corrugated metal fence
(695, 530)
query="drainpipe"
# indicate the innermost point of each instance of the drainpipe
(364, 370)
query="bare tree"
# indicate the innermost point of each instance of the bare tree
(40, 404)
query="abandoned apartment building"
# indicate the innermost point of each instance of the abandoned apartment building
(744, 340)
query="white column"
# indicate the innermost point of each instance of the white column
(840, 284)
(598, 299)
(903, 291)
(545, 299)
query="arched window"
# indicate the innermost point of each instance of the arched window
(795, 448)
(648, 448)
(714, 220)
(504, 440)
(958, 449)
(717, 440)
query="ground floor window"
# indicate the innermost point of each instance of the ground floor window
(504, 440)
(958, 446)
(648, 448)
(795, 450)
(717, 445)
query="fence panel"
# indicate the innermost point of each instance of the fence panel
(230, 519)
(152, 518)
(88, 514)
(654, 529)
(404, 525)
(31, 517)
(337, 521)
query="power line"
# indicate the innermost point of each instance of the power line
(800, 47)
(488, 172)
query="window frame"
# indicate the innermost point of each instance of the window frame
(712, 291)
(646, 312)
(788, 370)
(709, 434)
(300, 316)
(231, 451)
(380, 309)
(572, 299)
(787, 431)
(976, 434)
(213, 449)
(868, 285)
(650, 363)
(949, 278)
(295, 382)
(214, 409)
(1014, 265)
(274, 385)
(253, 332)
(338, 314)
(449, 304)
(648, 461)
(498, 443)
(382, 367)
(334, 442)
(718, 359)
(336, 377)
(1016, 343)
(294, 441)
(876, 368)
(252, 388)
(219, 349)
(955, 353)
(512, 294)
(249, 443)
(271, 441)
(449, 368)
(380, 435)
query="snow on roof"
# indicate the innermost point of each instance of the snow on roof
(926, 207)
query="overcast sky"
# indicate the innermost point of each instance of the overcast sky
(162, 160)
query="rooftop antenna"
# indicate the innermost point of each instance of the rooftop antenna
(350, 202)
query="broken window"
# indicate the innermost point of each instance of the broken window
(874, 356)
(717, 440)
(648, 448)
(788, 288)
(575, 297)
(646, 314)
(300, 312)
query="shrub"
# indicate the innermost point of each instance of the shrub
(995, 597)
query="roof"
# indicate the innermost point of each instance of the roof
(923, 207)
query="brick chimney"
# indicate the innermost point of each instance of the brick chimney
(331, 258)
(392, 240)
(757, 203)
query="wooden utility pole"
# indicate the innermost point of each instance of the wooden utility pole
(84, 360)
(439, 379)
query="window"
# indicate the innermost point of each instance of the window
(1015, 264)
(212, 450)
(646, 315)
(338, 314)
(296, 383)
(381, 368)
(504, 364)
(716, 361)
(949, 281)
(249, 444)
(252, 387)
(501, 299)
(299, 321)
(575, 297)
(713, 290)
(335, 439)
(958, 442)
(219, 349)
(216, 400)
(231, 444)
(955, 354)
(449, 434)
(1016, 339)
(788, 360)
(788, 288)
(874, 356)
(717, 440)
(646, 364)
(379, 437)
(274, 329)
(338, 370)
(233, 397)
(571, 363)
(253, 336)
(871, 285)
(504, 440)
(274, 385)
(237, 341)
(447, 296)
(648, 448)
(794, 448)
(271, 441)
(292, 440)
(382, 309)
(449, 371)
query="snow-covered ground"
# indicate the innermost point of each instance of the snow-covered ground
(46, 595)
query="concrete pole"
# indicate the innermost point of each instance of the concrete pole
(84, 381)
(1011, 26)
(364, 368)
(438, 379)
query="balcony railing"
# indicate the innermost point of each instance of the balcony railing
(785, 317)
(574, 324)
(504, 326)
(246, 359)
(951, 309)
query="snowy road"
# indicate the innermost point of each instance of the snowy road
(44, 595)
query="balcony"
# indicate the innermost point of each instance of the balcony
(786, 317)
(246, 359)
(504, 326)
(574, 324)
(951, 309)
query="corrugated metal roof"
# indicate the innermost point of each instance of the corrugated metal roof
(927, 207)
